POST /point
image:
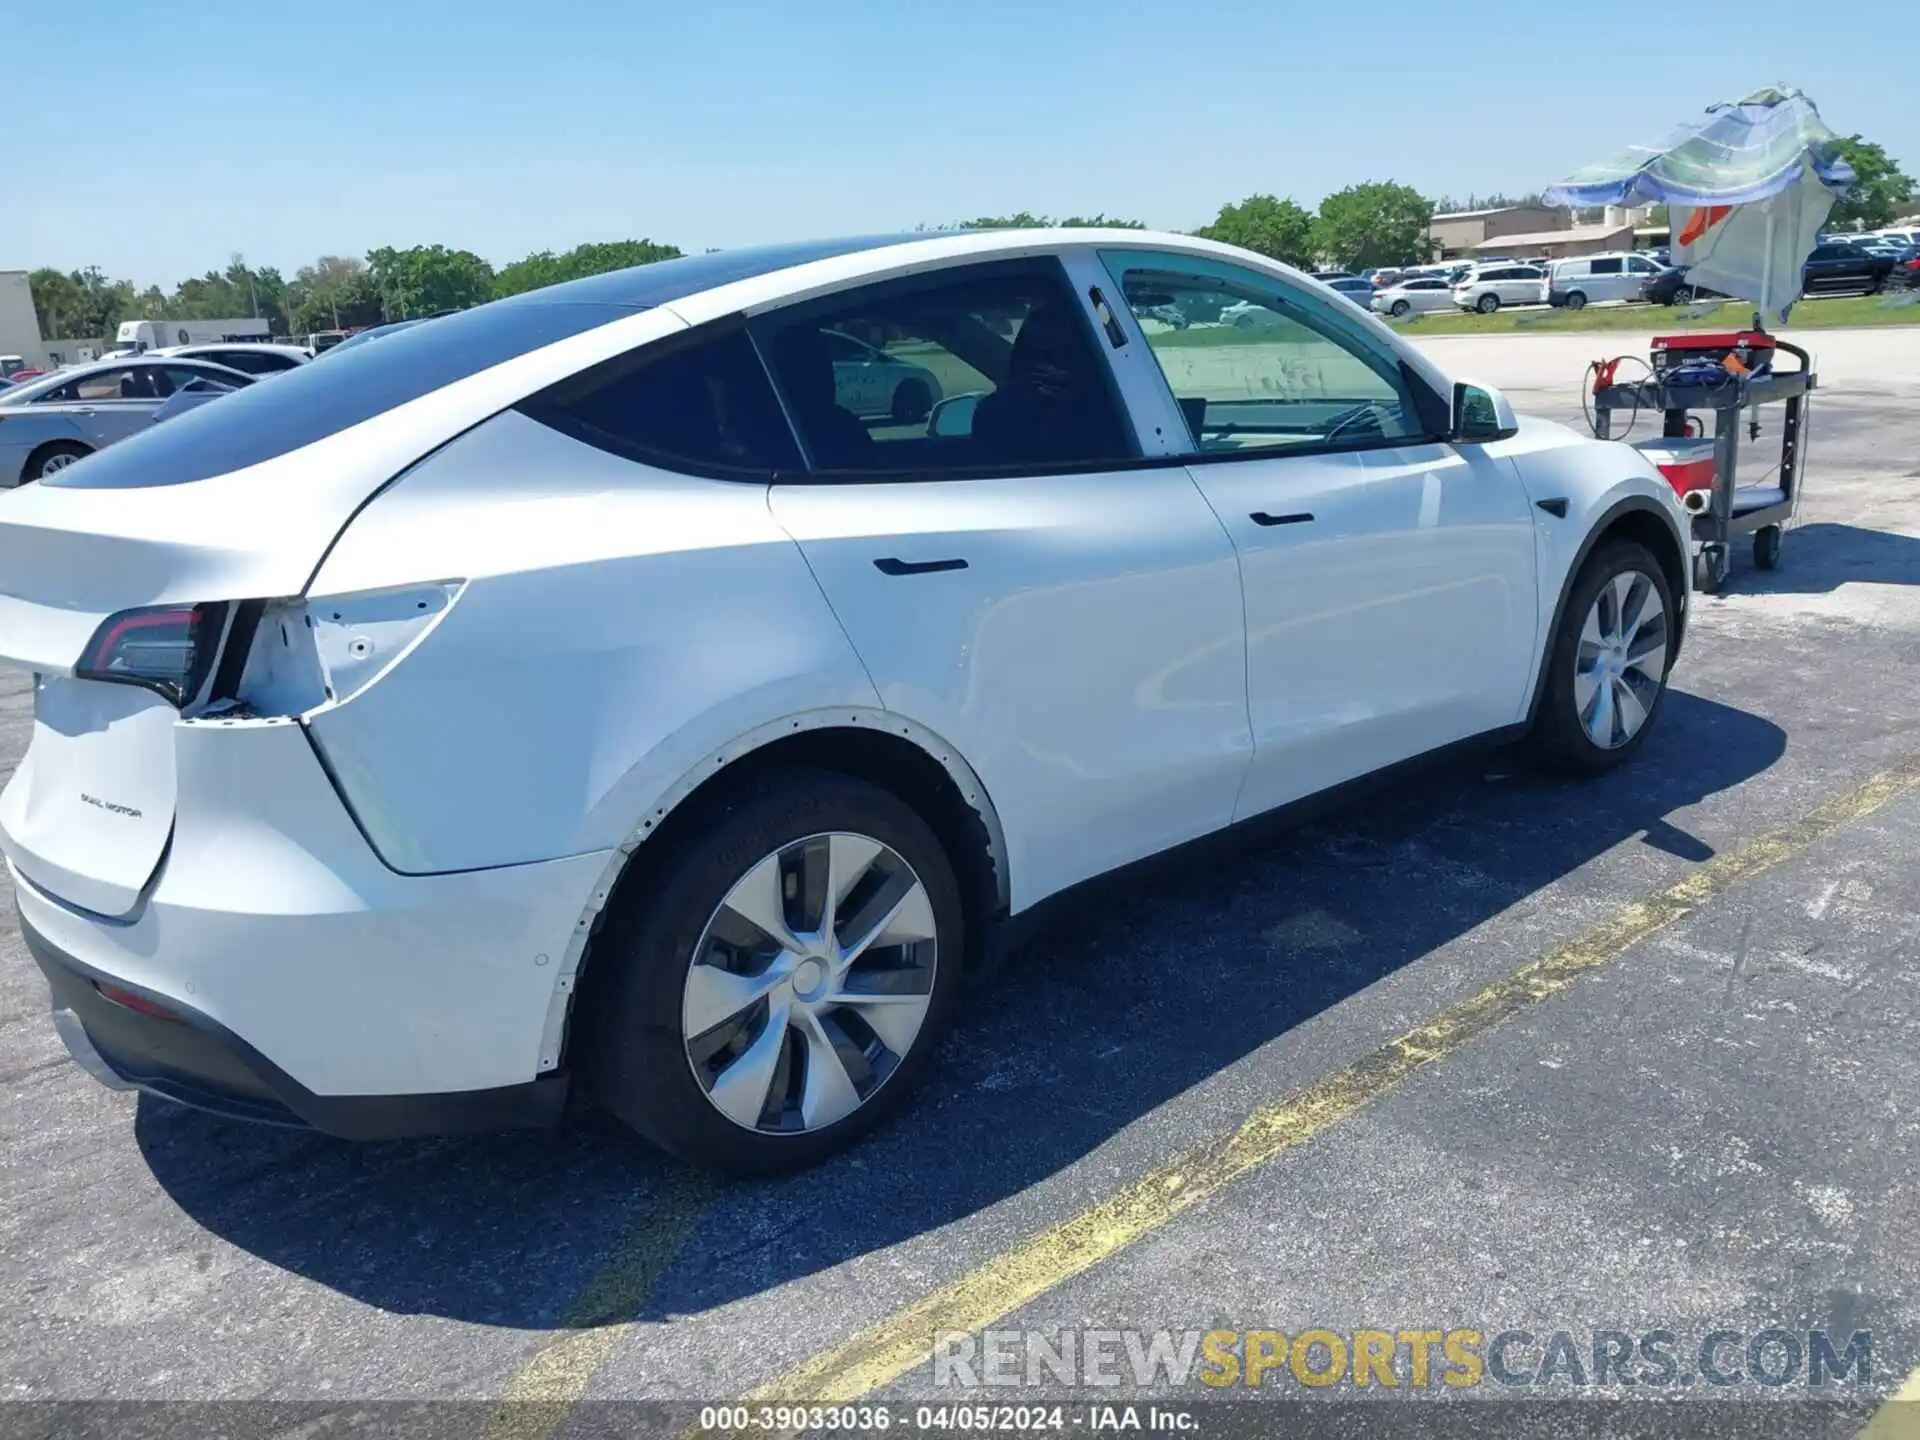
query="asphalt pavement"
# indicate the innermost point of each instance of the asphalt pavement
(1490, 1054)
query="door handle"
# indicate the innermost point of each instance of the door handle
(1556, 507)
(888, 565)
(1261, 517)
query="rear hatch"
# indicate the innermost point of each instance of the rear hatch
(237, 500)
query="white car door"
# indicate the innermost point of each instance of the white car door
(1014, 579)
(1389, 576)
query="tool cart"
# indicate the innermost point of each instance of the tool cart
(1691, 380)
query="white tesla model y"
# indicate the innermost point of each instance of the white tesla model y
(612, 688)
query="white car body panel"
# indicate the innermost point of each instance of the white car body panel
(386, 890)
(1095, 749)
(615, 629)
(275, 919)
(1425, 552)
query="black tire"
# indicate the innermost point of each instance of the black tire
(1576, 300)
(635, 1061)
(1766, 547)
(1558, 740)
(1487, 303)
(52, 457)
(1399, 309)
(912, 402)
(1682, 295)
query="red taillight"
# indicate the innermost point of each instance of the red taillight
(166, 648)
(127, 1000)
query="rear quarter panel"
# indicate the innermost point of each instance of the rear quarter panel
(619, 625)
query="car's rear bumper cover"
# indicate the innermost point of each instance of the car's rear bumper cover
(196, 1061)
(345, 983)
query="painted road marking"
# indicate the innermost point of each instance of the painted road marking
(1899, 1417)
(539, 1396)
(900, 1342)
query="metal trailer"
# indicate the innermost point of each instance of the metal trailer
(1761, 511)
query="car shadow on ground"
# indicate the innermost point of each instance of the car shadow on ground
(1135, 991)
(1818, 558)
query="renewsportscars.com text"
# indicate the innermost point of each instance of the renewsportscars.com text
(1416, 1359)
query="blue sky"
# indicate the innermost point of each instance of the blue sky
(178, 133)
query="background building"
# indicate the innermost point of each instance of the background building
(1459, 235)
(19, 325)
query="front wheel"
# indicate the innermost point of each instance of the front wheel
(1576, 300)
(1487, 303)
(1766, 547)
(780, 985)
(1607, 670)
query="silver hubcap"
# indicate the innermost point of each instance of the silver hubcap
(1621, 660)
(810, 983)
(57, 462)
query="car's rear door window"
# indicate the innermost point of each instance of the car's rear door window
(697, 402)
(1272, 367)
(989, 368)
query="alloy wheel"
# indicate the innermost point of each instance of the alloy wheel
(59, 460)
(1621, 659)
(810, 983)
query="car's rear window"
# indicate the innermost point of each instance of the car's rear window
(338, 391)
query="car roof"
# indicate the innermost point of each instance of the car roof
(54, 379)
(454, 373)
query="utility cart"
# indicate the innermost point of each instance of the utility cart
(1683, 395)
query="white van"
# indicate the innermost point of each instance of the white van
(1615, 276)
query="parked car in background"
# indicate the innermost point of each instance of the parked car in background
(360, 689)
(47, 424)
(1488, 287)
(1671, 287)
(365, 337)
(1417, 296)
(191, 396)
(1905, 274)
(1353, 288)
(253, 359)
(1578, 282)
(13, 365)
(1832, 268)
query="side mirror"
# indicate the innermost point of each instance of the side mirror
(1480, 414)
(954, 415)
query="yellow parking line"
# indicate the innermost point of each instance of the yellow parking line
(905, 1339)
(538, 1398)
(1898, 1417)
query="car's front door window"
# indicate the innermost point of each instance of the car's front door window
(1259, 365)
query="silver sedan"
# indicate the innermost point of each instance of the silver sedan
(48, 423)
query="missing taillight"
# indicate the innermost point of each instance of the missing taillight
(165, 648)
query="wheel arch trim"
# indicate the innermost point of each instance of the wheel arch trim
(841, 717)
(1608, 518)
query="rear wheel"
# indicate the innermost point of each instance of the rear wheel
(1399, 309)
(1487, 303)
(780, 985)
(51, 459)
(1607, 670)
(1766, 547)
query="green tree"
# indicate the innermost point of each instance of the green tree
(331, 294)
(545, 268)
(428, 279)
(1278, 229)
(1027, 220)
(1880, 193)
(1378, 223)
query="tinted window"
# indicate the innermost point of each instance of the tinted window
(699, 403)
(1607, 267)
(988, 367)
(1284, 371)
(314, 401)
(253, 362)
